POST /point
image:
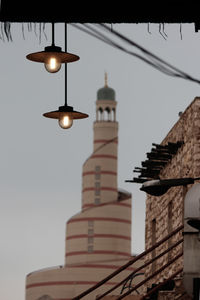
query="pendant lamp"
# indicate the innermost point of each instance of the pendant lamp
(52, 56)
(65, 114)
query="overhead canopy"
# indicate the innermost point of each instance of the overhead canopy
(69, 11)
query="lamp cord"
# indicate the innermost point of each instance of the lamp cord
(53, 34)
(66, 65)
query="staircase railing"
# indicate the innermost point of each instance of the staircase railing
(138, 269)
(150, 277)
(131, 262)
(159, 286)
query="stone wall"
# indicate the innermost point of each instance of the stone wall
(129, 297)
(165, 213)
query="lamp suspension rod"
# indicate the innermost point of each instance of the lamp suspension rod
(53, 33)
(66, 65)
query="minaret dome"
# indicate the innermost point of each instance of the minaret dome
(106, 104)
(106, 93)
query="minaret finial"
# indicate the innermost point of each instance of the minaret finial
(106, 79)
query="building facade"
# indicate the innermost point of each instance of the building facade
(98, 239)
(165, 213)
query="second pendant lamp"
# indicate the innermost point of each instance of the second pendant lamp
(65, 114)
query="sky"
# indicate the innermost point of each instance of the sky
(41, 164)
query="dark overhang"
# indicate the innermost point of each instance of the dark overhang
(68, 11)
(157, 159)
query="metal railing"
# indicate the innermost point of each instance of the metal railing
(159, 286)
(139, 268)
(150, 277)
(131, 262)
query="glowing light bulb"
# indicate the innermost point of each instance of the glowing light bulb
(52, 64)
(65, 121)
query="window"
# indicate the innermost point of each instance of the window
(153, 232)
(97, 169)
(97, 201)
(113, 116)
(90, 231)
(97, 188)
(153, 241)
(90, 248)
(90, 240)
(97, 176)
(100, 114)
(97, 192)
(90, 235)
(169, 227)
(97, 185)
(97, 173)
(90, 223)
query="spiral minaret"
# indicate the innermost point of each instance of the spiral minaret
(98, 239)
(105, 221)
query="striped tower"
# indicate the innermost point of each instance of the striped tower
(98, 239)
(104, 225)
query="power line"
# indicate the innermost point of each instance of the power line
(105, 39)
(151, 59)
(144, 50)
(153, 56)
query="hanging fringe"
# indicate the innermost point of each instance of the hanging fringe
(38, 28)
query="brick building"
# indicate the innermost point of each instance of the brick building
(170, 177)
(165, 213)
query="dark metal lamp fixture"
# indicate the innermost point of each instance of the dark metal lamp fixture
(65, 114)
(52, 56)
(159, 187)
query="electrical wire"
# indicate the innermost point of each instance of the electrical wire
(151, 59)
(103, 38)
(184, 75)
(144, 50)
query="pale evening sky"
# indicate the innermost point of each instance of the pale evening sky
(41, 164)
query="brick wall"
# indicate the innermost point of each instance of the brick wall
(165, 213)
(129, 297)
